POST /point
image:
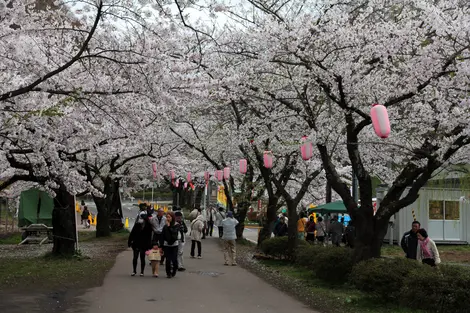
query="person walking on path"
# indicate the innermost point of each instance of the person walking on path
(140, 241)
(197, 229)
(426, 251)
(219, 217)
(85, 215)
(211, 212)
(169, 242)
(183, 229)
(230, 235)
(409, 241)
(154, 255)
(281, 228)
(203, 212)
(158, 223)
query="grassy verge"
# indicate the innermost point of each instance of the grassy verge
(323, 297)
(448, 253)
(51, 273)
(10, 238)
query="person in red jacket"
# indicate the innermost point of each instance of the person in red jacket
(311, 230)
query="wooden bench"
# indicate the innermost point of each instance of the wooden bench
(36, 233)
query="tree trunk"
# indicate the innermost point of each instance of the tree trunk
(370, 233)
(268, 222)
(241, 216)
(63, 223)
(102, 220)
(328, 192)
(291, 228)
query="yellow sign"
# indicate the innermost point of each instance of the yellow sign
(221, 197)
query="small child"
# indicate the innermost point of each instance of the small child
(155, 255)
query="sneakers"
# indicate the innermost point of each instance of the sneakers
(141, 274)
(199, 257)
(234, 264)
(226, 264)
(133, 274)
(193, 257)
(181, 269)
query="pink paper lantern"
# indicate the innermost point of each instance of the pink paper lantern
(172, 175)
(185, 185)
(207, 176)
(219, 174)
(177, 183)
(243, 166)
(380, 120)
(188, 177)
(154, 169)
(226, 173)
(268, 159)
(306, 149)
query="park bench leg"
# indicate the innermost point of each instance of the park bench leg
(44, 240)
(24, 241)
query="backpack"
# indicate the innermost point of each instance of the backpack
(173, 231)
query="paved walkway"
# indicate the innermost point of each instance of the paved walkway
(206, 286)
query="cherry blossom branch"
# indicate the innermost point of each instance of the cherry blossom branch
(28, 88)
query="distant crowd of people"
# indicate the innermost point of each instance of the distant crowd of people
(321, 231)
(161, 237)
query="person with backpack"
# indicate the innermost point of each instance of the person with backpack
(197, 229)
(169, 242)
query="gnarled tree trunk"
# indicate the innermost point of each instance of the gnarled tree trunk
(241, 216)
(63, 223)
(268, 222)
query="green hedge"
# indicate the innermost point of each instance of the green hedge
(277, 247)
(442, 289)
(382, 278)
(333, 264)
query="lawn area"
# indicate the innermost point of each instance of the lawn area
(329, 299)
(32, 266)
(448, 253)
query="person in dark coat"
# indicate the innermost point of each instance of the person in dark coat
(140, 240)
(281, 228)
(409, 241)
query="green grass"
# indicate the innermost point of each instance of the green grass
(337, 299)
(52, 273)
(448, 253)
(10, 239)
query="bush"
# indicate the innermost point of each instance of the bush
(307, 255)
(333, 264)
(382, 278)
(277, 247)
(441, 289)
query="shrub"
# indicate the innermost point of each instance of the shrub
(333, 264)
(307, 255)
(277, 247)
(382, 278)
(441, 289)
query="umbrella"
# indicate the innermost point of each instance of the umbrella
(332, 207)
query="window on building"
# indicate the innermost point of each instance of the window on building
(452, 210)
(436, 210)
(444, 210)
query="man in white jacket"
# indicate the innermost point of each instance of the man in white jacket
(230, 235)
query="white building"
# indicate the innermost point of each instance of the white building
(443, 209)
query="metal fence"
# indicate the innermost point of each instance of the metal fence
(8, 215)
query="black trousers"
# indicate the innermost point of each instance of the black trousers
(210, 228)
(193, 247)
(221, 231)
(138, 252)
(171, 265)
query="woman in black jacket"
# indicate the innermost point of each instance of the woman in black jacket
(169, 241)
(140, 241)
